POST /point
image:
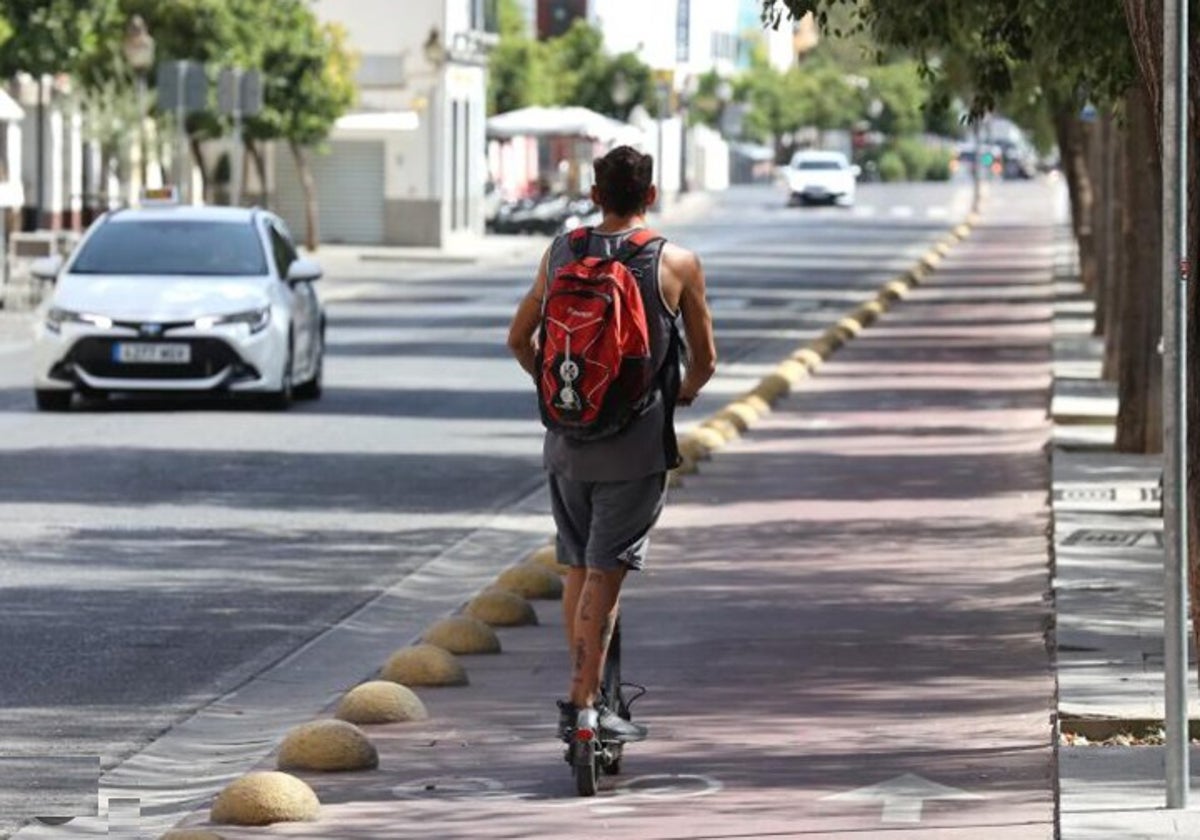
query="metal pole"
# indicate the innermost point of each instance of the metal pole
(658, 163)
(239, 150)
(976, 195)
(181, 150)
(1174, 280)
(41, 150)
(141, 112)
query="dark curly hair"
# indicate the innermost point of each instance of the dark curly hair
(623, 180)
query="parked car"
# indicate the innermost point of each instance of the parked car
(819, 177)
(547, 215)
(171, 300)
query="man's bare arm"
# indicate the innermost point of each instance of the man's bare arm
(697, 326)
(523, 330)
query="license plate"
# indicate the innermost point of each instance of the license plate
(152, 354)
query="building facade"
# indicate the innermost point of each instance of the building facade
(691, 37)
(409, 167)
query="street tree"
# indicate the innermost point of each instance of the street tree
(55, 36)
(308, 85)
(1109, 56)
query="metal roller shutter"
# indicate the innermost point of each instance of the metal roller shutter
(350, 183)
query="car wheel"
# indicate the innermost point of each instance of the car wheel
(53, 400)
(312, 389)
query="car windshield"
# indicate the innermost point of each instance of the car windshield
(817, 164)
(174, 247)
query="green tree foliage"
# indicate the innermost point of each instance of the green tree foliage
(53, 36)
(309, 83)
(573, 69)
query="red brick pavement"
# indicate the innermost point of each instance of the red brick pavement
(852, 593)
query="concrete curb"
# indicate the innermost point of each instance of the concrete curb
(741, 414)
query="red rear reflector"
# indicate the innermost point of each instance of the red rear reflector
(584, 735)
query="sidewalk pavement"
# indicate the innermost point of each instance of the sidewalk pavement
(843, 625)
(1108, 586)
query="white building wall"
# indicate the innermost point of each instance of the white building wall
(647, 28)
(435, 175)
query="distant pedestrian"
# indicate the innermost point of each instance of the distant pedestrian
(598, 332)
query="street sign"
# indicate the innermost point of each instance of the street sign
(240, 92)
(182, 87)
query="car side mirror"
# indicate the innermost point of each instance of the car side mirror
(856, 170)
(46, 268)
(304, 270)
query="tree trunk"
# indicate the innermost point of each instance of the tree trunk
(1145, 20)
(1115, 289)
(260, 169)
(1193, 333)
(198, 161)
(1101, 202)
(1139, 386)
(312, 237)
(1073, 144)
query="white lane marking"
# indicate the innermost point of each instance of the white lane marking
(937, 212)
(865, 210)
(903, 798)
(902, 211)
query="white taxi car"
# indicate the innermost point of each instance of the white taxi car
(171, 299)
(815, 177)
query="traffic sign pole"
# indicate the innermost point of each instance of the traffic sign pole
(1175, 419)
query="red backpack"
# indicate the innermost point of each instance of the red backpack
(594, 364)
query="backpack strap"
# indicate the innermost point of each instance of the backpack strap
(578, 241)
(636, 242)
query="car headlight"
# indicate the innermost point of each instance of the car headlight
(56, 317)
(255, 319)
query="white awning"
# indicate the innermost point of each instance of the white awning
(572, 121)
(377, 122)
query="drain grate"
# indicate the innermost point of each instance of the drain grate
(1109, 538)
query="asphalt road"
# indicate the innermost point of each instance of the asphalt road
(155, 555)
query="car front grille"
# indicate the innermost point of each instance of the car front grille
(210, 356)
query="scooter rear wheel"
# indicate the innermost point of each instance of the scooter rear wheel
(586, 767)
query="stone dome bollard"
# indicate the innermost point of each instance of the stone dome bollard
(424, 665)
(265, 798)
(327, 745)
(498, 607)
(380, 701)
(547, 557)
(533, 580)
(461, 634)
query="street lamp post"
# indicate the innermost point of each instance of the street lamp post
(685, 100)
(436, 56)
(663, 95)
(139, 51)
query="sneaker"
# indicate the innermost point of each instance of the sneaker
(566, 719)
(613, 727)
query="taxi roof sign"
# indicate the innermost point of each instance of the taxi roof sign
(160, 196)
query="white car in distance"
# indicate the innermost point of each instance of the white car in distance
(821, 178)
(171, 299)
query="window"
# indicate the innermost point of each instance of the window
(283, 249)
(173, 247)
(484, 16)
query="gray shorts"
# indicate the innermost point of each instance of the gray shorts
(606, 524)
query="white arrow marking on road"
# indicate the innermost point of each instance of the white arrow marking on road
(903, 797)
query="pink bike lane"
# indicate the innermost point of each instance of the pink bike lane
(842, 625)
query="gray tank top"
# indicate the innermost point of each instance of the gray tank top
(638, 450)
